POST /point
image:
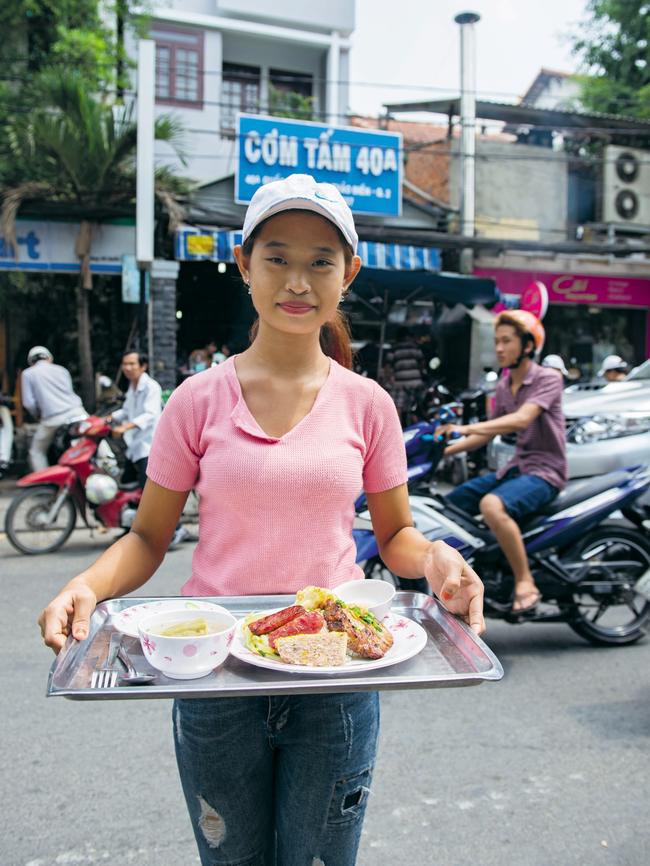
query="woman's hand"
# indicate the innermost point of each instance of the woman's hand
(456, 584)
(68, 613)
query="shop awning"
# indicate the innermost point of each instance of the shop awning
(193, 244)
(446, 287)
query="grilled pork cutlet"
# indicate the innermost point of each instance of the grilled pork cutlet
(363, 639)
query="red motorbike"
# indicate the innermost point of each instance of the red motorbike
(43, 514)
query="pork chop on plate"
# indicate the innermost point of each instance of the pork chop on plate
(367, 641)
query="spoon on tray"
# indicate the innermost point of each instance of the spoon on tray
(132, 677)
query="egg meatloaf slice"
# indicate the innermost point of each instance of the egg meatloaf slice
(325, 649)
(363, 639)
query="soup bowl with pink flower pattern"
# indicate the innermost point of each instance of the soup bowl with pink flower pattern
(187, 644)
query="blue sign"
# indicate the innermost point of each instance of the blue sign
(366, 166)
(131, 281)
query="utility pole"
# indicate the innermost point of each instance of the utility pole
(144, 202)
(467, 20)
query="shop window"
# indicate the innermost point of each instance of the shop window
(240, 91)
(179, 66)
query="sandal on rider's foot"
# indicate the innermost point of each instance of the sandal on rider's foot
(526, 601)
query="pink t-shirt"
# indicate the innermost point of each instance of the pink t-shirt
(276, 514)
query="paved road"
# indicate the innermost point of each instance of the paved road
(550, 766)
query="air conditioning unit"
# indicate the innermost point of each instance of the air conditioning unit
(626, 186)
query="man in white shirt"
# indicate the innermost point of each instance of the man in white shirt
(138, 417)
(137, 420)
(48, 395)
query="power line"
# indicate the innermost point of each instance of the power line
(451, 92)
(569, 131)
(555, 157)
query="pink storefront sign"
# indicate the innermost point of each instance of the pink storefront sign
(563, 288)
(574, 288)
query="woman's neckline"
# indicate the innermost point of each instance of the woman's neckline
(245, 419)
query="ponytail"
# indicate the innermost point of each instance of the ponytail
(334, 339)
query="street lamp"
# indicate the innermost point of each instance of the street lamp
(467, 20)
(144, 201)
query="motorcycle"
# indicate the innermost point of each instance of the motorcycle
(42, 516)
(424, 450)
(593, 575)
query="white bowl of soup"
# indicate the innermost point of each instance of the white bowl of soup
(187, 644)
(375, 595)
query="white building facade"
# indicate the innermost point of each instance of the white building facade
(215, 58)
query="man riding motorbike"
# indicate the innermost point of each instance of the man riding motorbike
(528, 403)
(48, 394)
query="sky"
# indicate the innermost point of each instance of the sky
(415, 45)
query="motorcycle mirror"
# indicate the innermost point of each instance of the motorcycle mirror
(434, 363)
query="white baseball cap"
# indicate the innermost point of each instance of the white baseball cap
(38, 353)
(556, 362)
(612, 362)
(301, 192)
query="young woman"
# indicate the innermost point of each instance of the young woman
(278, 441)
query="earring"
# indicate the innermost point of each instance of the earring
(248, 286)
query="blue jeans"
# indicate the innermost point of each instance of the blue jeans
(521, 494)
(280, 781)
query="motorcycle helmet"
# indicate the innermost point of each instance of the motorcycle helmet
(528, 327)
(100, 488)
(38, 353)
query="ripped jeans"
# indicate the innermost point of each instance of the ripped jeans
(279, 781)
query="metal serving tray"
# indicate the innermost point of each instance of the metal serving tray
(453, 656)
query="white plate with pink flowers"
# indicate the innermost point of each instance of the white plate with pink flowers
(127, 620)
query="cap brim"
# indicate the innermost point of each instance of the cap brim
(301, 204)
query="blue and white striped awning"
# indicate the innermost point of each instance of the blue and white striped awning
(197, 245)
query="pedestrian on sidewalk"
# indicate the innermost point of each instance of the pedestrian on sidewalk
(48, 395)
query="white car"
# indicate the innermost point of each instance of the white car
(607, 426)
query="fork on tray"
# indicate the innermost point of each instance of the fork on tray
(106, 676)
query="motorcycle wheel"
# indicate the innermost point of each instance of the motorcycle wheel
(610, 612)
(22, 525)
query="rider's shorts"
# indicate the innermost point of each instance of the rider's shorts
(521, 494)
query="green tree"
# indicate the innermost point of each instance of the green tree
(290, 103)
(42, 37)
(87, 35)
(613, 46)
(80, 151)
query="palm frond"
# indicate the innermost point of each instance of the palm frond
(12, 199)
(172, 206)
(170, 129)
(84, 149)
